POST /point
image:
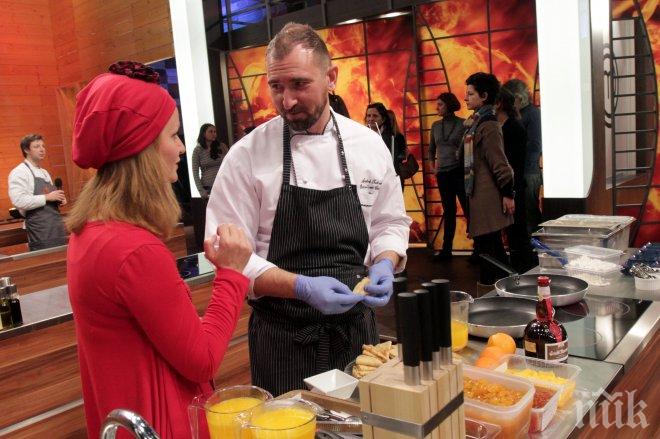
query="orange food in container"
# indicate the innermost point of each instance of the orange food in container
(505, 401)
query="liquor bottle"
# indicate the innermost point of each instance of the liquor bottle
(14, 305)
(545, 337)
(5, 310)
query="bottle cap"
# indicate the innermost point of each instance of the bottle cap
(543, 281)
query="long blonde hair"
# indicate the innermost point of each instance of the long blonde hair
(133, 190)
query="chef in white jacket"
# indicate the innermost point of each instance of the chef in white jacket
(32, 191)
(319, 197)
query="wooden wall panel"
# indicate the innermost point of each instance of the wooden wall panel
(29, 78)
(39, 371)
(49, 45)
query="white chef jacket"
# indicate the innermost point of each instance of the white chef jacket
(248, 185)
(21, 187)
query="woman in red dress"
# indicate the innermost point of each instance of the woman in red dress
(141, 344)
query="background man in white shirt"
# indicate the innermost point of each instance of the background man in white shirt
(318, 195)
(32, 191)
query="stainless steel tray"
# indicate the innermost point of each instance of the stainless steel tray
(604, 222)
(510, 315)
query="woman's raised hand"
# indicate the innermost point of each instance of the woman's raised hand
(229, 248)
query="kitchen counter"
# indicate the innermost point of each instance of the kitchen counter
(623, 287)
(597, 377)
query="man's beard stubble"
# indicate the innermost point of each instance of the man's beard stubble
(308, 122)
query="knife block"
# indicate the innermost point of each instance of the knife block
(384, 392)
(450, 384)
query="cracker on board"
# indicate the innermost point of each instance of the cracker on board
(365, 360)
(372, 351)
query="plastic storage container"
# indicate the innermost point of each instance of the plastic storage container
(596, 265)
(568, 372)
(596, 278)
(589, 251)
(542, 416)
(480, 430)
(547, 261)
(514, 420)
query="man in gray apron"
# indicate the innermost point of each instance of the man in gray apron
(31, 190)
(318, 194)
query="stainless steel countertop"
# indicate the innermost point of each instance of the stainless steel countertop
(596, 377)
(640, 334)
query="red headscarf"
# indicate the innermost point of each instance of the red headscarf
(119, 114)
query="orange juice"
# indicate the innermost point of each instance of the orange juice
(459, 335)
(284, 423)
(221, 417)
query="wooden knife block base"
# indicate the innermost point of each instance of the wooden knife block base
(385, 393)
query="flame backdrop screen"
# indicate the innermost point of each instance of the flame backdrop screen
(406, 63)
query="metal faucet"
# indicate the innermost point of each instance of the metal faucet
(133, 422)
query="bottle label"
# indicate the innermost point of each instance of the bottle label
(530, 346)
(556, 352)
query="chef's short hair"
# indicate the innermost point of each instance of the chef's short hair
(27, 141)
(519, 90)
(294, 34)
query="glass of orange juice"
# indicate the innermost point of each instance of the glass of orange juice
(460, 304)
(281, 419)
(222, 410)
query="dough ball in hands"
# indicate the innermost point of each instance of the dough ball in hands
(359, 288)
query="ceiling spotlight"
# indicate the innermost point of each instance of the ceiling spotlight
(354, 20)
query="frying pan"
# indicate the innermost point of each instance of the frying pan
(510, 315)
(564, 290)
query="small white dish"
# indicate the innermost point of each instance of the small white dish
(333, 383)
(648, 284)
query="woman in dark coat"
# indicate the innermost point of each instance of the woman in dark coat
(515, 141)
(487, 173)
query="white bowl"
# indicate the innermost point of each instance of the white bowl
(648, 284)
(334, 383)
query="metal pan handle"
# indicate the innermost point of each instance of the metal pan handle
(505, 268)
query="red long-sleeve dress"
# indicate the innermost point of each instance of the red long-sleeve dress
(141, 344)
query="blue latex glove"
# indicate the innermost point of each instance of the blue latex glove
(381, 287)
(326, 294)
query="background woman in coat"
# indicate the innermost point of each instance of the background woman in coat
(487, 174)
(141, 344)
(444, 155)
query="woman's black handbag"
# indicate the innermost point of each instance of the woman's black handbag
(408, 167)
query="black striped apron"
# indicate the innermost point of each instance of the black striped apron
(44, 225)
(315, 233)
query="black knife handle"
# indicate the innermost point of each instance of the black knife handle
(426, 324)
(400, 286)
(409, 310)
(435, 318)
(444, 311)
